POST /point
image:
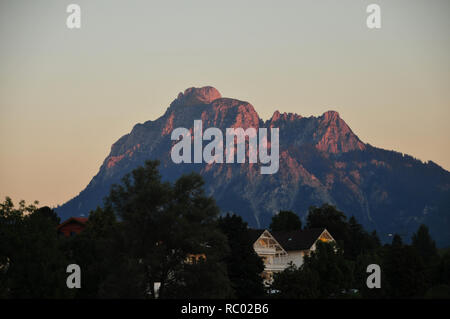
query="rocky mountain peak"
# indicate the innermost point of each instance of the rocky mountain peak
(213, 109)
(277, 116)
(321, 161)
(194, 96)
(335, 135)
(330, 116)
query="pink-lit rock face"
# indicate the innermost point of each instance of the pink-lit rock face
(335, 135)
(113, 160)
(204, 95)
(168, 127)
(328, 133)
(231, 113)
(288, 117)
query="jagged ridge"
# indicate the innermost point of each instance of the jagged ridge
(321, 160)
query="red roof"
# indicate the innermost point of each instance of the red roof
(80, 220)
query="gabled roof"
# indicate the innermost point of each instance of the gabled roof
(291, 240)
(298, 239)
(80, 220)
(256, 234)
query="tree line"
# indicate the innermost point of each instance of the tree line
(152, 231)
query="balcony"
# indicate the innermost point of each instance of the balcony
(265, 251)
(275, 267)
(276, 263)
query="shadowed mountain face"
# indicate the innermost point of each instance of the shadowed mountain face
(321, 161)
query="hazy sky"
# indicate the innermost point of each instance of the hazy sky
(67, 95)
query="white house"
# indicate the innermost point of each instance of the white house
(278, 249)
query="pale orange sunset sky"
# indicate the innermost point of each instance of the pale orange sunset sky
(67, 95)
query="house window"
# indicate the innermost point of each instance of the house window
(325, 238)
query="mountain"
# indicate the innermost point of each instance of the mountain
(321, 161)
